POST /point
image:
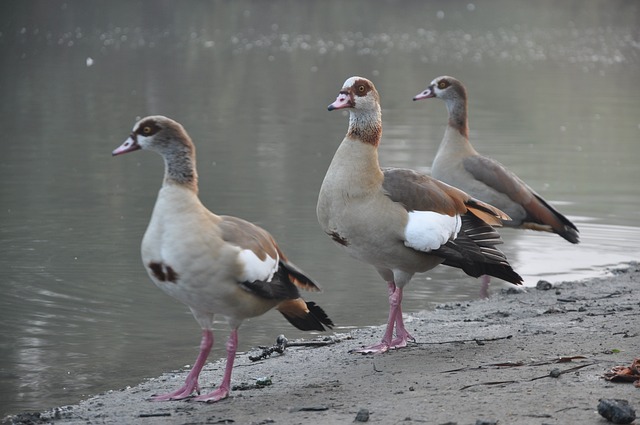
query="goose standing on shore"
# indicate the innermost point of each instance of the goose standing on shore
(459, 164)
(214, 264)
(400, 221)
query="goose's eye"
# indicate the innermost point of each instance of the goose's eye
(146, 130)
(361, 89)
(442, 84)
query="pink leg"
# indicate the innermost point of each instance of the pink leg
(223, 390)
(402, 335)
(191, 383)
(485, 279)
(395, 319)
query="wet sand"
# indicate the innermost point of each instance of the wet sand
(531, 357)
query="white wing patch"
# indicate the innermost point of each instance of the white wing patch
(256, 269)
(428, 230)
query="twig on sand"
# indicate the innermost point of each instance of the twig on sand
(563, 359)
(479, 341)
(488, 383)
(282, 343)
(555, 373)
(154, 415)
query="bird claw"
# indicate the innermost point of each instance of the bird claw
(180, 394)
(398, 343)
(401, 341)
(212, 397)
(383, 347)
(380, 348)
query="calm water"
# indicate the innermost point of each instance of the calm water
(553, 94)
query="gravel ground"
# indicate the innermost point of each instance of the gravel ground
(521, 357)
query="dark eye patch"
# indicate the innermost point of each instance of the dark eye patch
(362, 88)
(443, 84)
(148, 128)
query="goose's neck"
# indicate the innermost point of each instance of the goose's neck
(366, 126)
(355, 165)
(458, 120)
(180, 169)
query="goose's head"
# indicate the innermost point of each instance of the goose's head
(156, 133)
(358, 94)
(445, 88)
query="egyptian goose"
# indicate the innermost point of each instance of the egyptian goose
(459, 164)
(214, 264)
(398, 220)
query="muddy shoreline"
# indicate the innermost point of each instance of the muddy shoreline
(527, 357)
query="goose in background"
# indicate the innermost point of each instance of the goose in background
(459, 164)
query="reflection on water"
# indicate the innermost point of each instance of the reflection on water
(551, 95)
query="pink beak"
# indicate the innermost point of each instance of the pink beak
(428, 93)
(342, 101)
(129, 145)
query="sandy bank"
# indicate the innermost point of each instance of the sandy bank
(534, 357)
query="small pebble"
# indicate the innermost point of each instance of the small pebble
(319, 408)
(543, 285)
(486, 422)
(512, 291)
(616, 411)
(555, 373)
(264, 382)
(362, 416)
